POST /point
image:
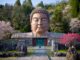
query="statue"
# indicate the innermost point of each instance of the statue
(72, 54)
(40, 21)
(21, 46)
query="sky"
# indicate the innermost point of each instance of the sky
(34, 2)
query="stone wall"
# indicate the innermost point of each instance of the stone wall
(29, 41)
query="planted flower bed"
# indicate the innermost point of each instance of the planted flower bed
(11, 53)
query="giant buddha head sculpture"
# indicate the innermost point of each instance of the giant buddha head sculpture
(39, 20)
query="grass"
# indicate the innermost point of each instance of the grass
(10, 52)
(61, 51)
(78, 51)
(7, 58)
(64, 51)
(30, 52)
(50, 53)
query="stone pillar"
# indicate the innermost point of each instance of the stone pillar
(53, 46)
(21, 46)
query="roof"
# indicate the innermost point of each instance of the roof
(29, 35)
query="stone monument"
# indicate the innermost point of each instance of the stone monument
(71, 54)
(40, 21)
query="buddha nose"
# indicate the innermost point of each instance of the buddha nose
(39, 22)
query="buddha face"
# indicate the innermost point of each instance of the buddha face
(39, 23)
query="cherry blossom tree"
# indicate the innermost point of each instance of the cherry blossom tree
(75, 25)
(5, 30)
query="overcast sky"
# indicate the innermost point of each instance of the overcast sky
(34, 2)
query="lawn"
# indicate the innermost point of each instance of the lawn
(61, 51)
(29, 52)
(49, 53)
(9, 52)
(64, 51)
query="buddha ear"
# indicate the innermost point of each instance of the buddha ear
(30, 22)
(48, 26)
(31, 25)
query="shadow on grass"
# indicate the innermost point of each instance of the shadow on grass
(49, 53)
(30, 52)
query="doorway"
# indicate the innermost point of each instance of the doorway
(40, 42)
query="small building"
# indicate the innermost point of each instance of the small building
(38, 41)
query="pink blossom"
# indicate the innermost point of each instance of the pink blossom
(5, 29)
(69, 38)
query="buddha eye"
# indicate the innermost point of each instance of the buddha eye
(43, 19)
(35, 19)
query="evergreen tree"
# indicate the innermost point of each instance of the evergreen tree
(74, 8)
(5, 12)
(58, 24)
(17, 16)
(49, 6)
(17, 3)
(29, 3)
(1, 6)
(26, 8)
(40, 4)
(79, 10)
(1, 12)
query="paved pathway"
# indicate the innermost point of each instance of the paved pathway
(28, 58)
(58, 58)
(35, 58)
(40, 52)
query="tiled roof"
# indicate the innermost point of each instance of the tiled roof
(29, 35)
(21, 35)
